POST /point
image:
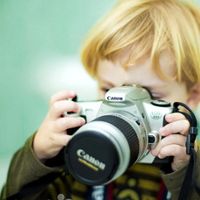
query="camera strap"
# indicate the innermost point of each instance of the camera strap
(190, 178)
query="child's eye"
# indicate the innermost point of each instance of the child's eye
(105, 89)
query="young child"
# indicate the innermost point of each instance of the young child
(153, 43)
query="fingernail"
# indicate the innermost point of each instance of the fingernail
(159, 156)
(154, 152)
(78, 108)
(169, 117)
(162, 131)
(72, 93)
(83, 121)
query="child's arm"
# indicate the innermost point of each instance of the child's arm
(28, 164)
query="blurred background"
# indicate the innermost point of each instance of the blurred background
(39, 56)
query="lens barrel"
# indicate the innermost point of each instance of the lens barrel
(102, 150)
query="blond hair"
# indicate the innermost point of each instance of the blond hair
(151, 27)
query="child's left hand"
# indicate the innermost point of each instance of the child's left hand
(174, 141)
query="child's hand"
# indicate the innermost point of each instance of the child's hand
(52, 135)
(174, 142)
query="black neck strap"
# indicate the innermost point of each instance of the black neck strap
(190, 178)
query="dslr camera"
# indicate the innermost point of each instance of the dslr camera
(121, 130)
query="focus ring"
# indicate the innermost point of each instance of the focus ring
(127, 131)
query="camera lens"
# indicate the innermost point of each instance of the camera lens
(127, 130)
(103, 149)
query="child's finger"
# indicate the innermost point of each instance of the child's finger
(62, 124)
(59, 107)
(62, 96)
(174, 139)
(59, 140)
(179, 126)
(178, 152)
(174, 117)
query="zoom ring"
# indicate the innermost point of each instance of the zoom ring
(127, 131)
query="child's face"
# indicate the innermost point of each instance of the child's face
(111, 74)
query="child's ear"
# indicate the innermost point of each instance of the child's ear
(194, 96)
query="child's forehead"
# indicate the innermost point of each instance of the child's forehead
(139, 73)
(167, 63)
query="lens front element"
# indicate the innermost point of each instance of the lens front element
(92, 158)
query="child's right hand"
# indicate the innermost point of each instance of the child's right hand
(52, 135)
